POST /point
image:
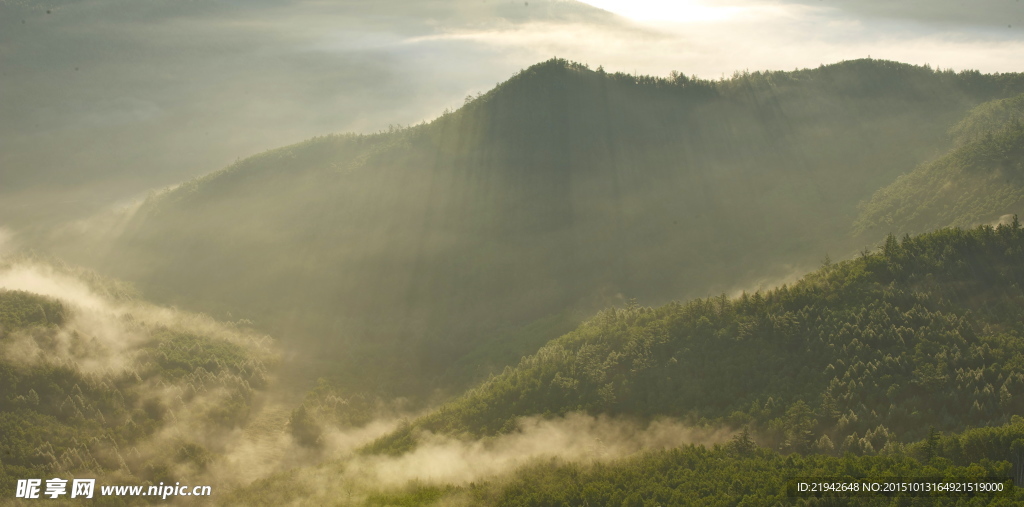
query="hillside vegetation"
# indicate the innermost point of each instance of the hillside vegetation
(856, 357)
(389, 259)
(980, 180)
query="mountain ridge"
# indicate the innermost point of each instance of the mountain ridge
(564, 186)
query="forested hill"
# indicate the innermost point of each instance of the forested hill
(857, 356)
(136, 398)
(564, 187)
(978, 181)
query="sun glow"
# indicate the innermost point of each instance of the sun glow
(679, 11)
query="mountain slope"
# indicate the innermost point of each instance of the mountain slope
(856, 357)
(978, 181)
(562, 188)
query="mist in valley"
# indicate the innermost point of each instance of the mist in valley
(107, 336)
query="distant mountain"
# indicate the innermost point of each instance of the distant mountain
(980, 180)
(860, 356)
(389, 257)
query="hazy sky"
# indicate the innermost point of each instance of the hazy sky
(101, 100)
